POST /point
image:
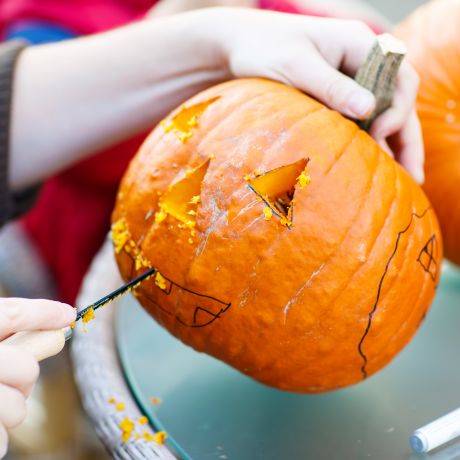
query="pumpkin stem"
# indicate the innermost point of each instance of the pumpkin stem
(379, 72)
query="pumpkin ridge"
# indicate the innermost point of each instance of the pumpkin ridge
(366, 195)
(391, 207)
(216, 92)
(132, 270)
(426, 283)
(153, 229)
(389, 210)
(196, 260)
(381, 229)
(226, 118)
(398, 177)
(257, 98)
(359, 209)
(300, 120)
(372, 247)
(186, 278)
(415, 308)
(414, 212)
(341, 153)
(382, 279)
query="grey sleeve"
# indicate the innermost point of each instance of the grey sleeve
(11, 203)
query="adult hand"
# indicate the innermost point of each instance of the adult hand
(19, 370)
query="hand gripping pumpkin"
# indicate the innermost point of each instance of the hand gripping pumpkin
(432, 35)
(287, 243)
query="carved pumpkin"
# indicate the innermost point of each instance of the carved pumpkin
(288, 244)
(432, 35)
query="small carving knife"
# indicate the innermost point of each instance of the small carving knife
(44, 344)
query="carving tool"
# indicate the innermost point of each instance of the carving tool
(44, 344)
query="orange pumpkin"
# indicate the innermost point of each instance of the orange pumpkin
(288, 244)
(432, 35)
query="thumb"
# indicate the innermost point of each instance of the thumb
(335, 89)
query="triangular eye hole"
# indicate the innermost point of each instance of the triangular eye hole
(181, 199)
(277, 188)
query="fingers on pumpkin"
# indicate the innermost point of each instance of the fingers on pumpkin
(400, 126)
(411, 154)
(384, 145)
(402, 106)
(360, 38)
(336, 90)
(404, 137)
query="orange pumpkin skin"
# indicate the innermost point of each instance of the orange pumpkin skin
(432, 35)
(310, 308)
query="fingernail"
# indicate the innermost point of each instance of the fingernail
(361, 103)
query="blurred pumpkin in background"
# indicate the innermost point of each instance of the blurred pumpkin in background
(288, 244)
(432, 35)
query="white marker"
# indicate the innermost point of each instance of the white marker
(436, 433)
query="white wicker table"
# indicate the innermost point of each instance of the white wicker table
(97, 369)
(212, 412)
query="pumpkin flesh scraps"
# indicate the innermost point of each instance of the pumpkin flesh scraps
(186, 120)
(182, 198)
(129, 426)
(88, 316)
(120, 235)
(122, 240)
(277, 188)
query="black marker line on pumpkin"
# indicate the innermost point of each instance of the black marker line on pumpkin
(431, 251)
(224, 306)
(374, 308)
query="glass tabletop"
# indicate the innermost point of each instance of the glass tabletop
(211, 411)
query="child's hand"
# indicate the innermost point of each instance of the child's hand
(319, 56)
(126, 80)
(18, 369)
